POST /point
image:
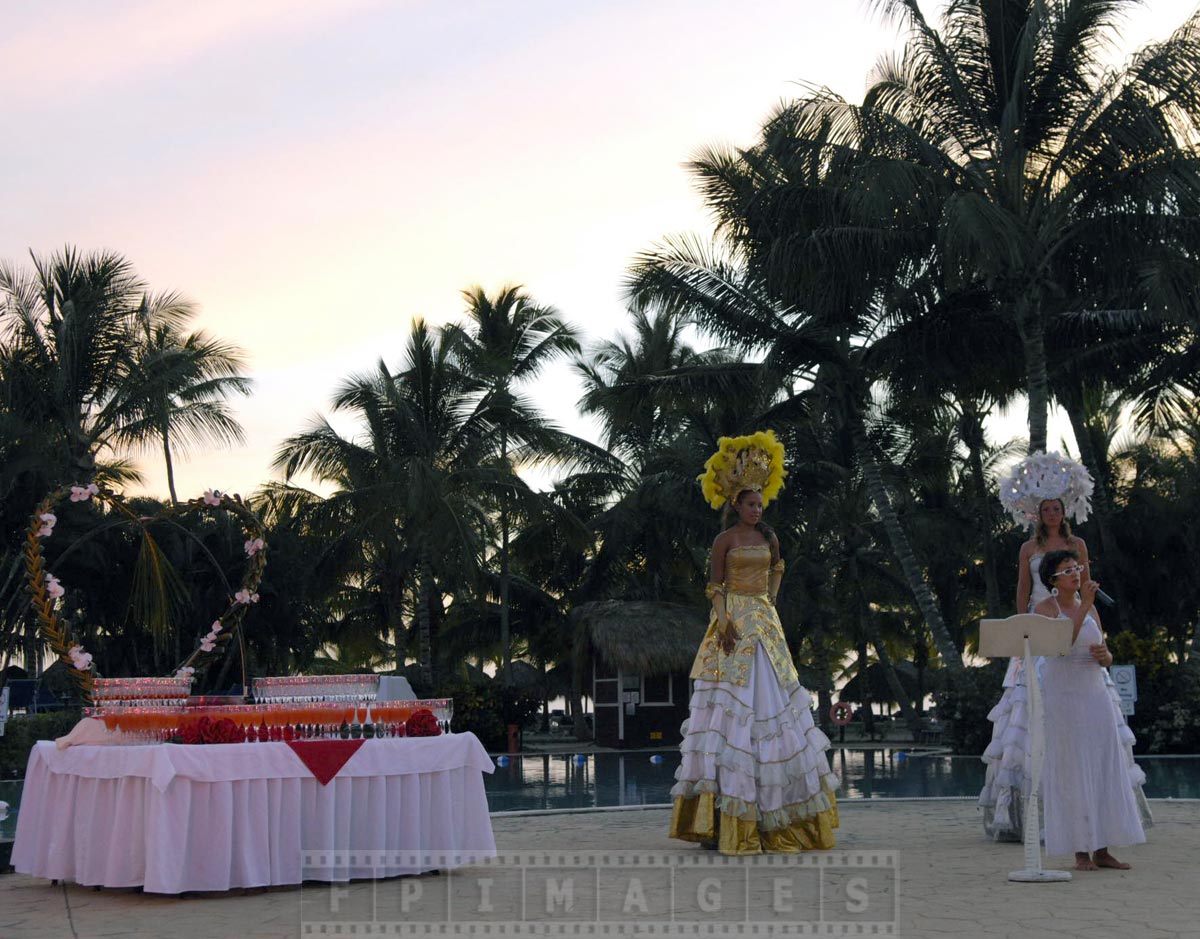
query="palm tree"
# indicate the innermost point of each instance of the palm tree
(1059, 184)
(411, 488)
(72, 390)
(184, 380)
(662, 405)
(507, 342)
(69, 338)
(812, 325)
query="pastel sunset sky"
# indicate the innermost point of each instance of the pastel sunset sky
(316, 174)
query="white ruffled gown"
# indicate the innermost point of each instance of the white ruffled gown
(1089, 803)
(1008, 756)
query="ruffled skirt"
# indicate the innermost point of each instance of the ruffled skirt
(754, 776)
(1008, 759)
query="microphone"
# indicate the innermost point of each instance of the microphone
(1104, 598)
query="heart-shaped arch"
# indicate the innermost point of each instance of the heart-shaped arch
(46, 590)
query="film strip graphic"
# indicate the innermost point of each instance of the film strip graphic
(610, 893)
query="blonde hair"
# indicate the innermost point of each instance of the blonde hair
(1043, 533)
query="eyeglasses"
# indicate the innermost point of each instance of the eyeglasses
(1078, 569)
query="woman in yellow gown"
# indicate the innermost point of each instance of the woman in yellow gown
(753, 777)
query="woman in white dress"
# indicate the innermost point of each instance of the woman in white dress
(1089, 803)
(753, 775)
(1007, 756)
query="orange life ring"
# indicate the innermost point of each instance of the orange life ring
(840, 713)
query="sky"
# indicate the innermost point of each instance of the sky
(315, 175)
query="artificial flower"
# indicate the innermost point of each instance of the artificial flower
(212, 496)
(253, 546)
(216, 627)
(80, 660)
(185, 672)
(245, 596)
(207, 730)
(422, 723)
(207, 645)
(83, 493)
(48, 520)
(53, 587)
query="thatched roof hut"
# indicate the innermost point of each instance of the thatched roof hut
(640, 636)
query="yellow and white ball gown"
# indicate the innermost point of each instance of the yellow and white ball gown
(752, 757)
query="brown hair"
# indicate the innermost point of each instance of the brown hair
(1043, 532)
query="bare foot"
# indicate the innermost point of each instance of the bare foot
(1084, 863)
(1104, 859)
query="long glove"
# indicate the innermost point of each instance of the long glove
(774, 579)
(727, 636)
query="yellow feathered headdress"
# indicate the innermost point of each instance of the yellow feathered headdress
(754, 462)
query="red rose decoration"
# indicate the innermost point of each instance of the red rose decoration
(206, 730)
(423, 724)
(226, 731)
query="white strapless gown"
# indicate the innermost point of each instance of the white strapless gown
(1089, 803)
(1008, 757)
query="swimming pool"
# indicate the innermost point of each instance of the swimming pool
(601, 780)
(537, 782)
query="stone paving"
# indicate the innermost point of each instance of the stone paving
(931, 855)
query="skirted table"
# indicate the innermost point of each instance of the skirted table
(174, 818)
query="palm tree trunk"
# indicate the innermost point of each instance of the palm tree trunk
(824, 669)
(972, 436)
(505, 577)
(425, 620)
(911, 717)
(33, 658)
(1033, 340)
(951, 657)
(862, 670)
(166, 442)
(578, 663)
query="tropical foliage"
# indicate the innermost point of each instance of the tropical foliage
(1005, 221)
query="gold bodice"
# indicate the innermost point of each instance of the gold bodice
(747, 569)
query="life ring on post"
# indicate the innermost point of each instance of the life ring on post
(840, 713)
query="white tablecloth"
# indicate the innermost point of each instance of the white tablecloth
(176, 818)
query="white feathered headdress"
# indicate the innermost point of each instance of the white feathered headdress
(1042, 476)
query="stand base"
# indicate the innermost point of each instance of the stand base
(1039, 877)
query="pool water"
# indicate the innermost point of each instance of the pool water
(599, 780)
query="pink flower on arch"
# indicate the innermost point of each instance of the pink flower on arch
(207, 644)
(212, 496)
(253, 546)
(185, 672)
(216, 627)
(48, 520)
(79, 659)
(53, 587)
(83, 493)
(245, 596)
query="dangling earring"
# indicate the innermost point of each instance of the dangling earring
(1054, 591)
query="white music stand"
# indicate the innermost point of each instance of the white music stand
(1028, 635)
